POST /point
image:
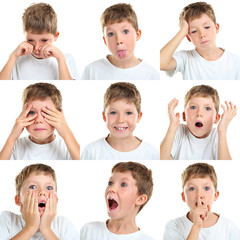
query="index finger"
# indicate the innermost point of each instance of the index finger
(27, 107)
(199, 202)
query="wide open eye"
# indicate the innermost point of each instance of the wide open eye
(32, 187)
(123, 184)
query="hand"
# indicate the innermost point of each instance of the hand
(23, 48)
(29, 211)
(49, 213)
(183, 24)
(229, 111)
(56, 118)
(22, 121)
(49, 50)
(174, 118)
(201, 212)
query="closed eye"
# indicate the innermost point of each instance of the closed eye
(194, 31)
(207, 27)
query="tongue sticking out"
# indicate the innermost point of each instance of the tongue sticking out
(198, 124)
(112, 204)
(121, 53)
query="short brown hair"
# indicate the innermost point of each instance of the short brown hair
(42, 91)
(141, 174)
(39, 18)
(203, 91)
(122, 91)
(195, 10)
(200, 170)
(118, 13)
(37, 169)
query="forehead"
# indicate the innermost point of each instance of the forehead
(197, 180)
(39, 103)
(41, 178)
(199, 20)
(127, 175)
(117, 25)
(37, 36)
(208, 100)
(121, 103)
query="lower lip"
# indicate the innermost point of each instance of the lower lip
(39, 130)
(204, 42)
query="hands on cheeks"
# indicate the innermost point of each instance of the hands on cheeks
(229, 111)
(174, 118)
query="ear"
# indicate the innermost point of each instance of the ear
(17, 200)
(141, 200)
(104, 117)
(188, 38)
(217, 28)
(56, 36)
(216, 195)
(139, 34)
(217, 118)
(104, 39)
(183, 196)
(184, 116)
(139, 117)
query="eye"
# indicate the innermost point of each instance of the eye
(110, 34)
(129, 113)
(125, 31)
(207, 188)
(31, 112)
(193, 31)
(192, 107)
(207, 27)
(49, 188)
(30, 40)
(44, 40)
(110, 183)
(113, 113)
(123, 184)
(191, 189)
(32, 187)
(208, 108)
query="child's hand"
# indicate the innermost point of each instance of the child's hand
(229, 111)
(201, 212)
(23, 48)
(56, 118)
(49, 213)
(174, 118)
(183, 24)
(29, 211)
(23, 121)
(49, 50)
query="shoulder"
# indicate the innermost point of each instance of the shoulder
(147, 147)
(8, 218)
(98, 63)
(96, 144)
(93, 225)
(94, 230)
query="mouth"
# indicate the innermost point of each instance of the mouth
(202, 203)
(121, 53)
(199, 124)
(204, 42)
(121, 129)
(42, 205)
(39, 129)
(112, 204)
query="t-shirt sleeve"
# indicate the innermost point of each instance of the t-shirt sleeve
(5, 226)
(172, 232)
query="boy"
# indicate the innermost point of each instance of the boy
(42, 113)
(198, 139)
(206, 61)
(129, 189)
(199, 183)
(37, 57)
(120, 33)
(122, 111)
(36, 194)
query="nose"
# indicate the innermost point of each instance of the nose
(199, 113)
(202, 34)
(37, 47)
(119, 39)
(111, 189)
(120, 118)
(42, 193)
(39, 118)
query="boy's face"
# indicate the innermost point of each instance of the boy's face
(40, 131)
(121, 118)
(202, 32)
(42, 185)
(120, 38)
(39, 40)
(121, 196)
(200, 115)
(199, 188)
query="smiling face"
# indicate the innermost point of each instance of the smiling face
(40, 40)
(202, 32)
(120, 38)
(121, 118)
(40, 131)
(122, 197)
(200, 115)
(202, 188)
(42, 185)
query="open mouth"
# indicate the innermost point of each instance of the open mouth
(112, 204)
(42, 205)
(120, 128)
(198, 124)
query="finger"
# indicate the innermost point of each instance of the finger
(224, 108)
(49, 118)
(50, 111)
(199, 202)
(32, 201)
(26, 109)
(227, 104)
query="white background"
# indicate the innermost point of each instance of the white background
(81, 185)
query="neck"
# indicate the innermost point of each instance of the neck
(211, 54)
(121, 226)
(128, 63)
(124, 144)
(42, 141)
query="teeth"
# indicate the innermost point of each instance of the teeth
(120, 128)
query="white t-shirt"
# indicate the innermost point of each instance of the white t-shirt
(31, 68)
(11, 224)
(179, 229)
(25, 149)
(187, 147)
(104, 70)
(99, 231)
(101, 150)
(194, 67)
